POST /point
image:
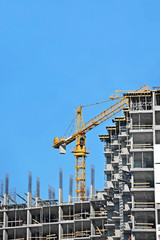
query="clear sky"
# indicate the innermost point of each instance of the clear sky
(56, 55)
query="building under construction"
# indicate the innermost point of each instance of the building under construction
(128, 208)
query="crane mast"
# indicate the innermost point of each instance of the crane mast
(80, 151)
(80, 154)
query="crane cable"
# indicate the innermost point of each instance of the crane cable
(72, 124)
(97, 103)
(117, 96)
(70, 127)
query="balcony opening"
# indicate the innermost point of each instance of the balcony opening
(157, 117)
(157, 137)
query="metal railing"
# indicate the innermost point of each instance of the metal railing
(143, 184)
(141, 127)
(144, 225)
(144, 204)
(142, 145)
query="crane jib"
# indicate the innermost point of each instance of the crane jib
(106, 114)
(117, 107)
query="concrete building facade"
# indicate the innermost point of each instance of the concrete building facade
(132, 170)
(129, 206)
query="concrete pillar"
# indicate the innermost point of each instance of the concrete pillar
(29, 215)
(60, 229)
(37, 191)
(92, 213)
(60, 195)
(28, 234)
(60, 186)
(6, 201)
(29, 204)
(92, 181)
(29, 199)
(5, 218)
(70, 188)
(5, 235)
(132, 236)
(92, 191)
(37, 198)
(29, 195)
(70, 198)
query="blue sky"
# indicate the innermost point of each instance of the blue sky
(57, 55)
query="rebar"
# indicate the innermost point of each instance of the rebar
(92, 175)
(6, 183)
(30, 182)
(71, 185)
(60, 178)
(38, 187)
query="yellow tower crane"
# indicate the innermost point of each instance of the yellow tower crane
(82, 128)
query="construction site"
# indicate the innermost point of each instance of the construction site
(128, 208)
